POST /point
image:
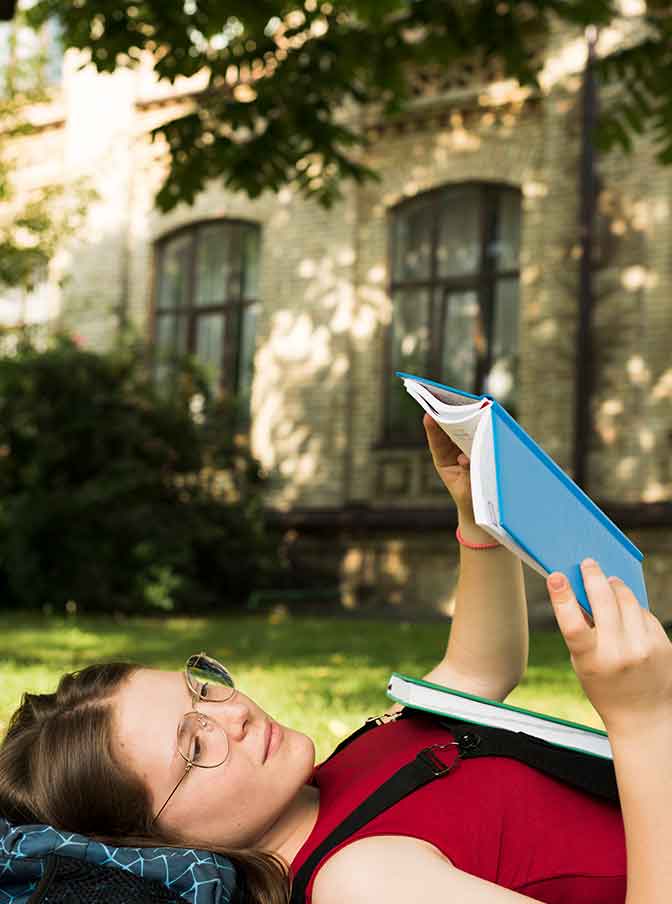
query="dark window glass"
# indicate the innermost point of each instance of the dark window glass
(174, 273)
(246, 342)
(460, 337)
(218, 264)
(455, 282)
(210, 346)
(410, 342)
(458, 247)
(413, 244)
(207, 284)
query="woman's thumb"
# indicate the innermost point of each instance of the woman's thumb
(569, 615)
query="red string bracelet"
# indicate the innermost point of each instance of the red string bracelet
(463, 542)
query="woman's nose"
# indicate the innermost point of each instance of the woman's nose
(233, 715)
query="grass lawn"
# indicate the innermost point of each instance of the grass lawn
(322, 676)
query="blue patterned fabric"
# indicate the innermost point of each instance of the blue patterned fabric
(199, 876)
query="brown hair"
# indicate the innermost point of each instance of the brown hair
(57, 756)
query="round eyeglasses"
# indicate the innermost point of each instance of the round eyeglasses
(208, 678)
(201, 741)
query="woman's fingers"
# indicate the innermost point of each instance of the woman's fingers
(617, 614)
(624, 663)
(605, 606)
(606, 609)
(632, 614)
(444, 451)
(580, 637)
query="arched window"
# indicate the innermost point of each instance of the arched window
(454, 286)
(206, 301)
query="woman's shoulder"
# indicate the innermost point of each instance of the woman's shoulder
(377, 868)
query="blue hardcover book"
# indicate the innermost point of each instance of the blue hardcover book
(523, 498)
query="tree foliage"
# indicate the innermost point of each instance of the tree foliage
(282, 74)
(115, 498)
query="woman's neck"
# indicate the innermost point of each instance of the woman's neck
(287, 836)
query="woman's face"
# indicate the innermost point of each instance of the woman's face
(232, 805)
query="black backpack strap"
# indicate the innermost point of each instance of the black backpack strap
(372, 722)
(431, 763)
(592, 774)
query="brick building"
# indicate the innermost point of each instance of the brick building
(462, 263)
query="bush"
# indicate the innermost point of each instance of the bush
(114, 498)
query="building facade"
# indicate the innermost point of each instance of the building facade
(460, 263)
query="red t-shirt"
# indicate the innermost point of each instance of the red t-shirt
(492, 817)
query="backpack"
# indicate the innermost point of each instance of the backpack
(591, 774)
(43, 865)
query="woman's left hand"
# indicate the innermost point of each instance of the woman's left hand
(452, 466)
(623, 660)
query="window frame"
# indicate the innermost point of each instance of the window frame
(231, 351)
(483, 281)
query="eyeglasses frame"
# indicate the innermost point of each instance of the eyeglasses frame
(195, 698)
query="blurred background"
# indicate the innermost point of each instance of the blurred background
(223, 227)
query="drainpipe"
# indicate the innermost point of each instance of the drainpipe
(585, 375)
(7, 10)
(126, 243)
(350, 350)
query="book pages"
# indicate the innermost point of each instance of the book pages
(460, 423)
(484, 475)
(444, 701)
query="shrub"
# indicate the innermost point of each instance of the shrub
(116, 498)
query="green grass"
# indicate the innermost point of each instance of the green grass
(319, 675)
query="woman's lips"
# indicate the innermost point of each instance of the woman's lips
(275, 739)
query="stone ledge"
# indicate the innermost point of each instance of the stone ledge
(628, 516)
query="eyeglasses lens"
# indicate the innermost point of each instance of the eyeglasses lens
(209, 678)
(202, 741)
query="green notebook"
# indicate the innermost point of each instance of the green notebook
(444, 701)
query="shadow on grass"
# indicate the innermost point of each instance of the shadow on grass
(254, 640)
(320, 675)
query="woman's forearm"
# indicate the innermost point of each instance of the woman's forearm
(489, 635)
(488, 644)
(643, 763)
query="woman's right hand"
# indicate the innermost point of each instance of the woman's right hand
(452, 466)
(624, 660)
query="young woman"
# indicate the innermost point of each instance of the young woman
(141, 756)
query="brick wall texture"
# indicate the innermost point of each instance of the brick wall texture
(325, 312)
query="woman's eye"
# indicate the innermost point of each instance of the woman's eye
(204, 690)
(197, 749)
